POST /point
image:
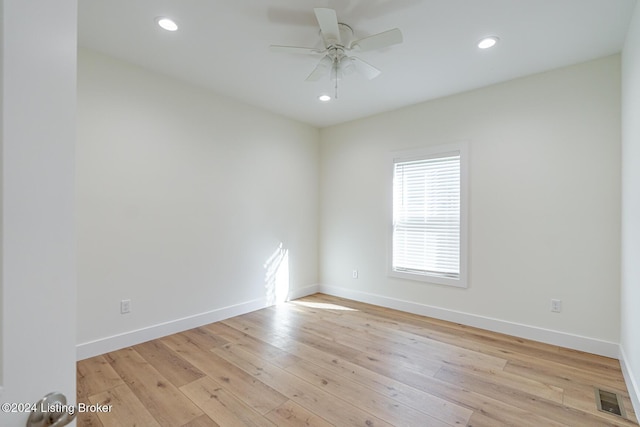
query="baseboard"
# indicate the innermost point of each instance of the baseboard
(576, 342)
(116, 342)
(632, 386)
(126, 339)
(303, 292)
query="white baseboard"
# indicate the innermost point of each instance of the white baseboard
(303, 292)
(632, 386)
(563, 339)
(126, 339)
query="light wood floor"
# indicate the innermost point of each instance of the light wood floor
(322, 361)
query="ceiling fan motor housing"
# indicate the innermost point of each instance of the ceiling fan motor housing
(346, 37)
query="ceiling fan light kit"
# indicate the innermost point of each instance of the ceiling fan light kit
(337, 40)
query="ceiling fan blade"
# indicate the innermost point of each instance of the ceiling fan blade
(378, 41)
(295, 49)
(321, 70)
(364, 68)
(328, 22)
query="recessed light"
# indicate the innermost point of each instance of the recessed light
(167, 24)
(488, 42)
(324, 98)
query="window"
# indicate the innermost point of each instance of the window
(429, 230)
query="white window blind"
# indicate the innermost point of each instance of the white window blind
(426, 216)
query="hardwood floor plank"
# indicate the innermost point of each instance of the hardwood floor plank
(425, 402)
(352, 326)
(475, 339)
(575, 365)
(506, 379)
(492, 414)
(269, 352)
(519, 399)
(203, 338)
(250, 390)
(323, 335)
(273, 336)
(95, 375)
(221, 406)
(290, 414)
(563, 376)
(583, 398)
(88, 419)
(592, 360)
(283, 335)
(494, 409)
(431, 405)
(457, 395)
(173, 367)
(387, 374)
(163, 400)
(312, 398)
(631, 414)
(371, 401)
(502, 414)
(126, 408)
(202, 421)
(283, 341)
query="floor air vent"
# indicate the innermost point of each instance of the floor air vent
(609, 402)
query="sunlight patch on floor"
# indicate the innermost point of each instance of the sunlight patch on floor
(322, 305)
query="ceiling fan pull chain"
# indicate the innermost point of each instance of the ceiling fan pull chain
(336, 84)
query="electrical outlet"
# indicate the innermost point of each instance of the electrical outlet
(556, 305)
(125, 306)
(354, 274)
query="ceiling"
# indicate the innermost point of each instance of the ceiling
(223, 45)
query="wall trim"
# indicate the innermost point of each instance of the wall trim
(548, 336)
(303, 292)
(127, 339)
(632, 386)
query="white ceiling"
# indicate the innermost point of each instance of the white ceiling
(223, 45)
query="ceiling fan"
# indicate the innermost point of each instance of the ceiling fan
(337, 41)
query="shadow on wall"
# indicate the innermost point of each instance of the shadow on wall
(276, 280)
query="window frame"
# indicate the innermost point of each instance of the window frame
(426, 153)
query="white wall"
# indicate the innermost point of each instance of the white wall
(544, 204)
(630, 319)
(182, 197)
